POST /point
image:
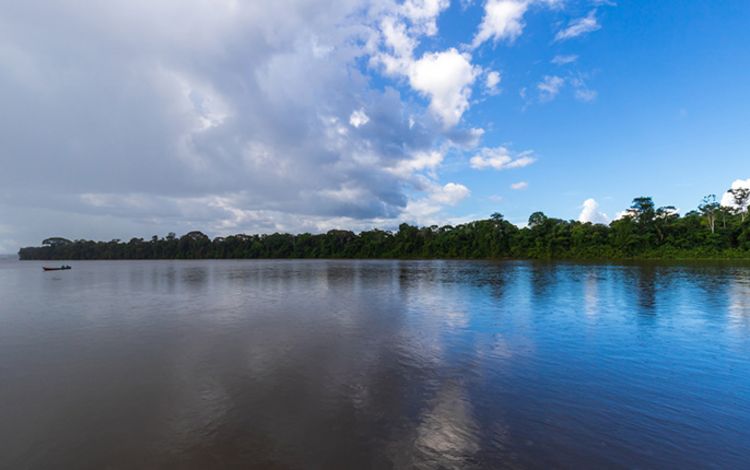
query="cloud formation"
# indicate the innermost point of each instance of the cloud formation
(359, 118)
(492, 82)
(502, 21)
(549, 87)
(564, 59)
(590, 213)
(582, 92)
(500, 158)
(134, 117)
(221, 116)
(727, 200)
(579, 27)
(446, 78)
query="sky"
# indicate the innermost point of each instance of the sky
(133, 118)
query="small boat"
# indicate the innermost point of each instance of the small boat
(61, 268)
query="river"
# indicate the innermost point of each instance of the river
(374, 364)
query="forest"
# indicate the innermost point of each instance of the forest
(645, 231)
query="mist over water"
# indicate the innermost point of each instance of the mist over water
(380, 364)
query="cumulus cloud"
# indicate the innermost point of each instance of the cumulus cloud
(502, 21)
(423, 210)
(425, 160)
(451, 193)
(136, 117)
(590, 213)
(140, 117)
(400, 44)
(500, 158)
(446, 78)
(519, 186)
(359, 118)
(423, 14)
(492, 81)
(727, 200)
(549, 87)
(579, 27)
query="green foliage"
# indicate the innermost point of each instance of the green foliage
(644, 232)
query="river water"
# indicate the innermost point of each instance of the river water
(374, 364)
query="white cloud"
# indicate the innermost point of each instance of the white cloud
(474, 136)
(243, 112)
(427, 160)
(564, 59)
(578, 27)
(446, 78)
(590, 213)
(423, 14)
(492, 80)
(582, 91)
(586, 95)
(502, 21)
(397, 40)
(726, 199)
(500, 158)
(359, 118)
(520, 185)
(549, 87)
(426, 210)
(451, 194)
(621, 214)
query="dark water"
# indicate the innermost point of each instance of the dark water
(359, 364)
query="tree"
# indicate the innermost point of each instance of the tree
(663, 217)
(644, 232)
(536, 219)
(642, 210)
(741, 198)
(709, 208)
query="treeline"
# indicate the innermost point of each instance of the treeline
(645, 231)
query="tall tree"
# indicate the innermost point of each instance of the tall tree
(741, 198)
(710, 208)
(537, 218)
(642, 210)
(664, 216)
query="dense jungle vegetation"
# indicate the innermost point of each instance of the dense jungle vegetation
(644, 232)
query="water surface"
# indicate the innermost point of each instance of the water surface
(374, 364)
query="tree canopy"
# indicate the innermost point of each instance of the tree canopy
(645, 231)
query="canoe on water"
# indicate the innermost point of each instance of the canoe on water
(61, 268)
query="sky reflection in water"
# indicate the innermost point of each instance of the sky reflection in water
(397, 364)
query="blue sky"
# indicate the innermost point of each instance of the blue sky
(670, 118)
(134, 118)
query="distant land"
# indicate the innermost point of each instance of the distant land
(642, 232)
